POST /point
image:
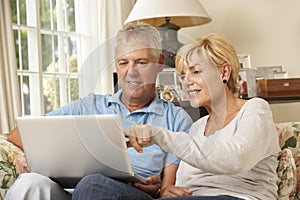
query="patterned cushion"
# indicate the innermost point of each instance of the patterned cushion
(12, 163)
(289, 137)
(286, 170)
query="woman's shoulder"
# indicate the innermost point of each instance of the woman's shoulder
(257, 102)
(257, 99)
(256, 106)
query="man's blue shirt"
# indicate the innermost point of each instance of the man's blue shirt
(158, 113)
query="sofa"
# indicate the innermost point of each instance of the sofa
(13, 162)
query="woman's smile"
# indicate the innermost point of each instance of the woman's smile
(193, 93)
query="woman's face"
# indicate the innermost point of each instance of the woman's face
(202, 80)
(194, 85)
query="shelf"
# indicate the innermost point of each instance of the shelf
(283, 99)
(287, 99)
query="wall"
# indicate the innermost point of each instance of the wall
(268, 30)
(285, 112)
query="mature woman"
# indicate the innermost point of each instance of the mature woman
(230, 153)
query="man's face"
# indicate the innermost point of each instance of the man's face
(137, 71)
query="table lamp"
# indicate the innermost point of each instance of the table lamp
(169, 16)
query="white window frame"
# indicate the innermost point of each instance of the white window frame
(35, 71)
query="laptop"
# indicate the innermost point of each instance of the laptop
(66, 148)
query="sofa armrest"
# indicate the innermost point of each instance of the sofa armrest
(287, 177)
(12, 163)
(289, 138)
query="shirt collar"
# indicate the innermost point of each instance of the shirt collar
(156, 106)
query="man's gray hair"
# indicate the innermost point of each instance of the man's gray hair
(143, 32)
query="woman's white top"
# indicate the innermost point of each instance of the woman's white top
(238, 160)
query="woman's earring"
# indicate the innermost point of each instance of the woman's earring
(224, 81)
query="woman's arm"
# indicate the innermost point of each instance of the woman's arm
(168, 188)
(169, 175)
(234, 149)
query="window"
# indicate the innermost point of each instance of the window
(46, 50)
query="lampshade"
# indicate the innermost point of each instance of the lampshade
(183, 13)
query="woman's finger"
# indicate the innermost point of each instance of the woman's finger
(139, 136)
(132, 142)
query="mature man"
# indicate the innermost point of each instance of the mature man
(138, 60)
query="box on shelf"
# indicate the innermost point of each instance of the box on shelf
(286, 87)
(249, 76)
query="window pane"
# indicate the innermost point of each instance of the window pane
(72, 45)
(71, 15)
(48, 85)
(54, 10)
(16, 37)
(24, 49)
(73, 63)
(57, 96)
(22, 7)
(74, 89)
(25, 91)
(56, 50)
(21, 92)
(51, 93)
(46, 41)
(45, 15)
(72, 60)
(13, 7)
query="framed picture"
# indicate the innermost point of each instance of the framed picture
(274, 69)
(167, 77)
(244, 60)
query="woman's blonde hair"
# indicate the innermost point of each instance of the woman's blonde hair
(219, 49)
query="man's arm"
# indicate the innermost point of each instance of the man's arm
(14, 138)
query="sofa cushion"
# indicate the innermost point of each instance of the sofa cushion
(12, 163)
(287, 180)
(289, 137)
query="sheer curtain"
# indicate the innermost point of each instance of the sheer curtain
(99, 22)
(9, 91)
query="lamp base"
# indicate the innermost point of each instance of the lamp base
(170, 43)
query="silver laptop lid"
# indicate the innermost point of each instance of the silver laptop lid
(66, 148)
